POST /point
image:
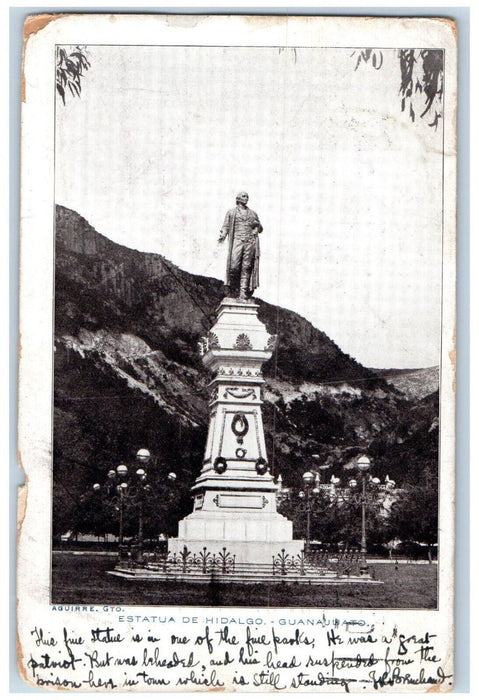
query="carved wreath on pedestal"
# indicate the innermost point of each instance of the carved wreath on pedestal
(220, 465)
(261, 466)
(240, 426)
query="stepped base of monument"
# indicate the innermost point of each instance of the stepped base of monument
(246, 574)
(216, 563)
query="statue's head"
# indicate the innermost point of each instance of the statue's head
(242, 198)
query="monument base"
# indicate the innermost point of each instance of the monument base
(250, 536)
(232, 527)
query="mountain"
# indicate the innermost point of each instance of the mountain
(147, 296)
(414, 383)
(128, 375)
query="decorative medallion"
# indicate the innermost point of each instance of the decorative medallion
(220, 465)
(261, 466)
(243, 342)
(240, 426)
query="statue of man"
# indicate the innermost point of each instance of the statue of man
(242, 269)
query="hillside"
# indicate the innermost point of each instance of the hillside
(128, 375)
(101, 284)
(414, 383)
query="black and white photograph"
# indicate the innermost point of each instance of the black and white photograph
(251, 266)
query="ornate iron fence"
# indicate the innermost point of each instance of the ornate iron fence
(204, 562)
(343, 562)
(321, 561)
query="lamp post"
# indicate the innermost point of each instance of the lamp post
(365, 491)
(312, 489)
(363, 464)
(113, 493)
(356, 494)
(308, 480)
(315, 496)
(309, 495)
(122, 490)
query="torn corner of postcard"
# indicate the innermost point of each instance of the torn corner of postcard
(237, 299)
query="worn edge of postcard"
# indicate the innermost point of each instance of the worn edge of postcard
(54, 645)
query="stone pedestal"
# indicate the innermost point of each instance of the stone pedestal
(235, 495)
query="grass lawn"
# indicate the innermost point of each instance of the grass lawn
(83, 579)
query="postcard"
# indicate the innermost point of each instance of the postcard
(237, 353)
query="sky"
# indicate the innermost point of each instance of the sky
(348, 189)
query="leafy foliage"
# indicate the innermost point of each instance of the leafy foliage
(337, 519)
(325, 517)
(162, 507)
(422, 77)
(70, 68)
(366, 55)
(415, 514)
(432, 83)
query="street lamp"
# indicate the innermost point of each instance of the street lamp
(365, 491)
(363, 464)
(313, 495)
(114, 493)
(308, 480)
(143, 455)
(122, 490)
